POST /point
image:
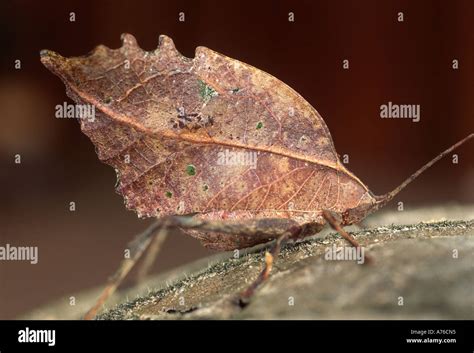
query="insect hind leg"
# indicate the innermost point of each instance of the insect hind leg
(137, 247)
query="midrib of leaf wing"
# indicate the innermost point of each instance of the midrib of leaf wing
(189, 137)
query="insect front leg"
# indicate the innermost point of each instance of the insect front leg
(349, 238)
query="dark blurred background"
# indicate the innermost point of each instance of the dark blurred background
(408, 62)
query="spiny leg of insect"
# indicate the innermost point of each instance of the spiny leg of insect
(150, 255)
(155, 235)
(270, 257)
(286, 230)
(349, 238)
(137, 247)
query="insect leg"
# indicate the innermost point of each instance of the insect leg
(337, 227)
(270, 257)
(279, 229)
(137, 247)
(150, 256)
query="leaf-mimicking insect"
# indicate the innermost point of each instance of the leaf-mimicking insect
(175, 117)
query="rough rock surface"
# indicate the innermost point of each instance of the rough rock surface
(421, 271)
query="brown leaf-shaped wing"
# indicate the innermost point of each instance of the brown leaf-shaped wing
(208, 135)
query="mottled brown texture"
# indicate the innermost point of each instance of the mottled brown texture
(164, 121)
(412, 259)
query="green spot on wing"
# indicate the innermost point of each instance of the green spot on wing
(205, 91)
(190, 170)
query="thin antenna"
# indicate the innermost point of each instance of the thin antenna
(383, 199)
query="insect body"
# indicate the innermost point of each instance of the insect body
(297, 185)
